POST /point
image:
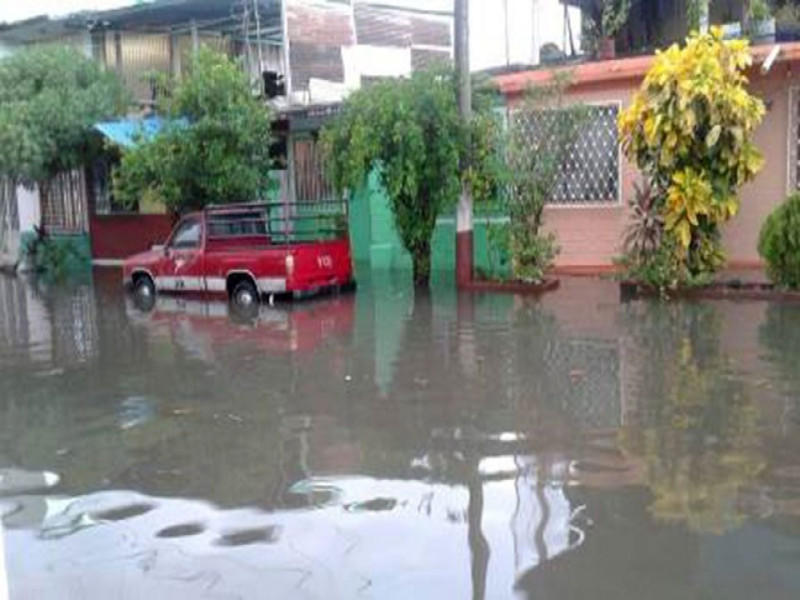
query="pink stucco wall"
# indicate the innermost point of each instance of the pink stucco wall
(589, 237)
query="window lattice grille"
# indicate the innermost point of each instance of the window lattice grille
(795, 154)
(63, 200)
(590, 173)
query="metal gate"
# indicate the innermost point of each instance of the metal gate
(64, 206)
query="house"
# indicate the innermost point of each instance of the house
(589, 223)
(304, 55)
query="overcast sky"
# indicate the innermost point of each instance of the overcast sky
(488, 47)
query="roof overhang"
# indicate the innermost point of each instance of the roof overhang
(619, 70)
(41, 28)
(164, 15)
(127, 133)
(159, 16)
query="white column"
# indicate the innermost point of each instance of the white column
(3, 572)
(536, 33)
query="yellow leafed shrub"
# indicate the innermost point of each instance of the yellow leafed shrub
(689, 130)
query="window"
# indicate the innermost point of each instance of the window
(187, 235)
(237, 225)
(102, 188)
(591, 172)
(793, 174)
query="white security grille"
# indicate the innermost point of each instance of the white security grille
(589, 172)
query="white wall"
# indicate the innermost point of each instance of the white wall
(527, 19)
(29, 206)
(374, 61)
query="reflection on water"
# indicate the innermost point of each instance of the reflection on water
(387, 445)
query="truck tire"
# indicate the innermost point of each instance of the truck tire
(245, 294)
(144, 293)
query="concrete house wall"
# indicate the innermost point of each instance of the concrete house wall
(589, 236)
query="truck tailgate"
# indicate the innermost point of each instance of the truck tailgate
(321, 263)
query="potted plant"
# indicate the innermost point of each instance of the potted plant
(606, 20)
(787, 23)
(761, 23)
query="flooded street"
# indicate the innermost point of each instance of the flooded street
(385, 446)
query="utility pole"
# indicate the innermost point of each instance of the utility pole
(507, 33)
(464, 215)
(704, 4)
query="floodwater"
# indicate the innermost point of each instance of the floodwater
(385, 446)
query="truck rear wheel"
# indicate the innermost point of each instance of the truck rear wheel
(245, 294)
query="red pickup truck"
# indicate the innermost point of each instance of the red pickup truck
(246, 252)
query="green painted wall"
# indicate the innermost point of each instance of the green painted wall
(75, 251)
(375, 241)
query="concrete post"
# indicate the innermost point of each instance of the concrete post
(174, 54)
(118, 52)
(464, 219)
(287, 61)
(195, 37)
(99, 47)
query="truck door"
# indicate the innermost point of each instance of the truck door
(183, 270)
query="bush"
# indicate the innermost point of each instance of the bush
(779, 243)
(689, 130)
(55, 258)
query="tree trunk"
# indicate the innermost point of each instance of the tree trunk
(421, 257)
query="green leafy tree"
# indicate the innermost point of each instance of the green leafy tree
(50, 96)
(411, 132)
(215, 147)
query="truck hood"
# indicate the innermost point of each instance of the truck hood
(143, 258)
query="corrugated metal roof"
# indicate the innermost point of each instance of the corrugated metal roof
(126, 133)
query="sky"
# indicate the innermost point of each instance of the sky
(487, 29)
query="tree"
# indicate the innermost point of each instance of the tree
(50, 96)
(543, 131)
(689, 129)
(411, 133)
(214, 147)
